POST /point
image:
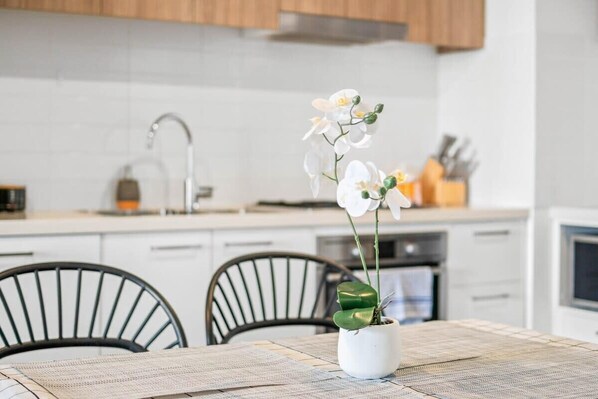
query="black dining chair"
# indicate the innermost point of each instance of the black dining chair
(67, 304)
(270, 289)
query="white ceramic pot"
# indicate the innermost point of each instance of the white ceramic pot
(373, 352)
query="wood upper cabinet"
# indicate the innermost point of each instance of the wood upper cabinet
(238, 13)
(171, 10)
(261, 14)
(447, 24)
(373, 10)
(91, 7)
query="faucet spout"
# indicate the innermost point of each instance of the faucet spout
(189, 186)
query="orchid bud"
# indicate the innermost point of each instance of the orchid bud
(370, 118)
(390, 182)
(365, 194)
(378, 108)
(356, 100)
(383, 191)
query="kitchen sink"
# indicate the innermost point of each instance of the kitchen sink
(174, 212)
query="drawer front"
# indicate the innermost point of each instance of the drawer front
(232, 243)
(577, 324)
(18, 251)
(501, 303)
(178, 265)
(483, 253)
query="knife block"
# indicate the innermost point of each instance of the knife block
(448, 193)
(431, 175)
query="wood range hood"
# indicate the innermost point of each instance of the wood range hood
(449, 25)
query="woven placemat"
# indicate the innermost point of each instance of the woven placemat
(554, 372)
(168, 372)
(428, 343)
(14, 385)
(335, 388)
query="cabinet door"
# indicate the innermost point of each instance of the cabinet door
(576, 323)
(486, 252)
(501, 303)
(18, 251)
(176, 264)
(232, 243)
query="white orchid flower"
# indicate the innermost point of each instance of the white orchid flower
(394, 198)
(337, 108)
(358, 114)
(353, 139)
(318, 126)
(318, 160)
(358, 191)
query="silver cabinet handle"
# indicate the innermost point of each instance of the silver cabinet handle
(15, 254)
(491, 233)
(490, 297)
(175, 247)
(248, 244)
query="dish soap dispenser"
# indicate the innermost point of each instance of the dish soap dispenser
(127, 192)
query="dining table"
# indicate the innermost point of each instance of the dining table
(439, 359)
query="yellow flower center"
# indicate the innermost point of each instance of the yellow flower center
(359, 114)
(361, 185)
(342, 101)
(400, 176)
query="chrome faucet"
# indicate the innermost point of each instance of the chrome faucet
(189, 188)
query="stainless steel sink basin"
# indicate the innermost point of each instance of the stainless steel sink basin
(173, 212)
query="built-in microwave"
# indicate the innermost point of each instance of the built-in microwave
(582, 271)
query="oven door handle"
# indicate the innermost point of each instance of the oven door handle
(436, 270)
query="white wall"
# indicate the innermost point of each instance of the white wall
(78, 93)
(567, 103)
(489, 95)
(567, 124)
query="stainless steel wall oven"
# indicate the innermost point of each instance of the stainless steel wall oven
(396, 250)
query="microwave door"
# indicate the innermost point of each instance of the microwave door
(583, 270)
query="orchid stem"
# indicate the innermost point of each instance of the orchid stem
(359, 248)
(377, 250)
(329, 177)
(355, 235)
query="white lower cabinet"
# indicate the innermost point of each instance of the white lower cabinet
(176, 264)
(500, 302)
(18, 251)
(229, 244)
(486, 269)
(575, 323)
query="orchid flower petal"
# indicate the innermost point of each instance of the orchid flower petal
(341, 147)
(323, 105)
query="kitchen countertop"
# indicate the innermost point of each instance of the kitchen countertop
(89, 223)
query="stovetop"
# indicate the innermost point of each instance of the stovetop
(320, 204)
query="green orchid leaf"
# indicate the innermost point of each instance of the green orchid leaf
(354, 319)
(356, 295)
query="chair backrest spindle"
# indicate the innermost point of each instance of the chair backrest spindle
(44, 321)
(295, 293)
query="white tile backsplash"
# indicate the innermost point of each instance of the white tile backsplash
(79, 93)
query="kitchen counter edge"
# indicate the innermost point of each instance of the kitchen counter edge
(50, 223)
